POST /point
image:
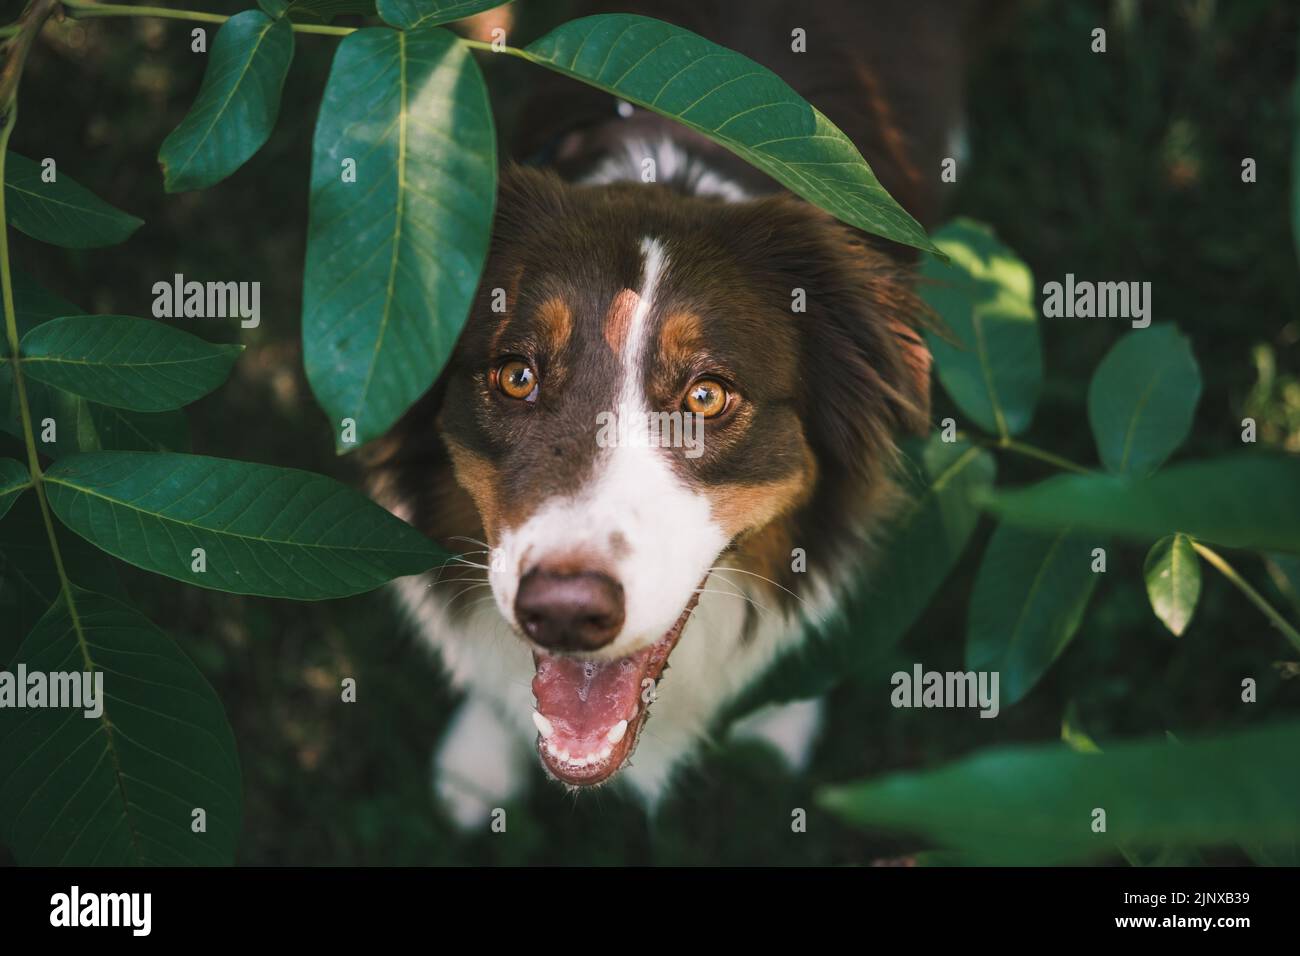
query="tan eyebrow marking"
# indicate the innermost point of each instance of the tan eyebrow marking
(680, 334)
(618, 321)
(554, 324)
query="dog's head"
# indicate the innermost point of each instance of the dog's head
(648, 383)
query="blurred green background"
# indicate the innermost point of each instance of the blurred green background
(1122, 166)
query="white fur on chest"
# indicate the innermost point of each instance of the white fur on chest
(713, 663)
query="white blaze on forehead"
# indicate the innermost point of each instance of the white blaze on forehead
(667, 537)
(634, 345)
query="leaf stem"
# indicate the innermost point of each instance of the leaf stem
(322, 29)
(82, 10)
(1211, 556)
(1008, 443)
(85, 10)
(1242, 585)
(487, 47)
(24, 407)
(33, 20)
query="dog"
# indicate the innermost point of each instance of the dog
(590, 559)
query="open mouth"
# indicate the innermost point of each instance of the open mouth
(590, 713)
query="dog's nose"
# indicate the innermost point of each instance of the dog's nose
(569, 611)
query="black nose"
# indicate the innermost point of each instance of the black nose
(569, 611)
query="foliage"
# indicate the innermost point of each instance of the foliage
(410, 107)
(402, 194)
(1042, 563)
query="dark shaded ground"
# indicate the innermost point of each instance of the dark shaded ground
(1123, 166)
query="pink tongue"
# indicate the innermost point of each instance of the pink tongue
(584, 699)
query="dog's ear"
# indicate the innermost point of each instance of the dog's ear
(866, 363)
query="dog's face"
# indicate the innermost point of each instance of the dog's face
(648, 382)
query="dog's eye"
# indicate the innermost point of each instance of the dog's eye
(516, 378)
(706, 397)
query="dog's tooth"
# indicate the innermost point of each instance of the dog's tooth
(615, 733)
(579, 761)
(562, 755)
(544, 726)
(604, 753)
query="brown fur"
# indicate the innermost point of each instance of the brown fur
(804, 458)
(809, 444)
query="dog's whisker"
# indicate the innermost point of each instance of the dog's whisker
(461, 594)
(471, 564)
(466, 554)
(734, 589)
(761, 578)
(452, 559)
(472, 587)
(738, 596)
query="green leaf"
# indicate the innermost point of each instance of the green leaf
(1142, 399)
(411, 14)
(1034, 805)
(1243, 501)
(29, 581)
(1173, 576)
(1030, 595)
(393, 259)
(118, 788)
(277, 532)
(62, 213)
(14, 480)
(81, 425)
(918, 549)
(237, 104)
(733, 101)
(989, 357)
(34, 305)
(125, 362)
